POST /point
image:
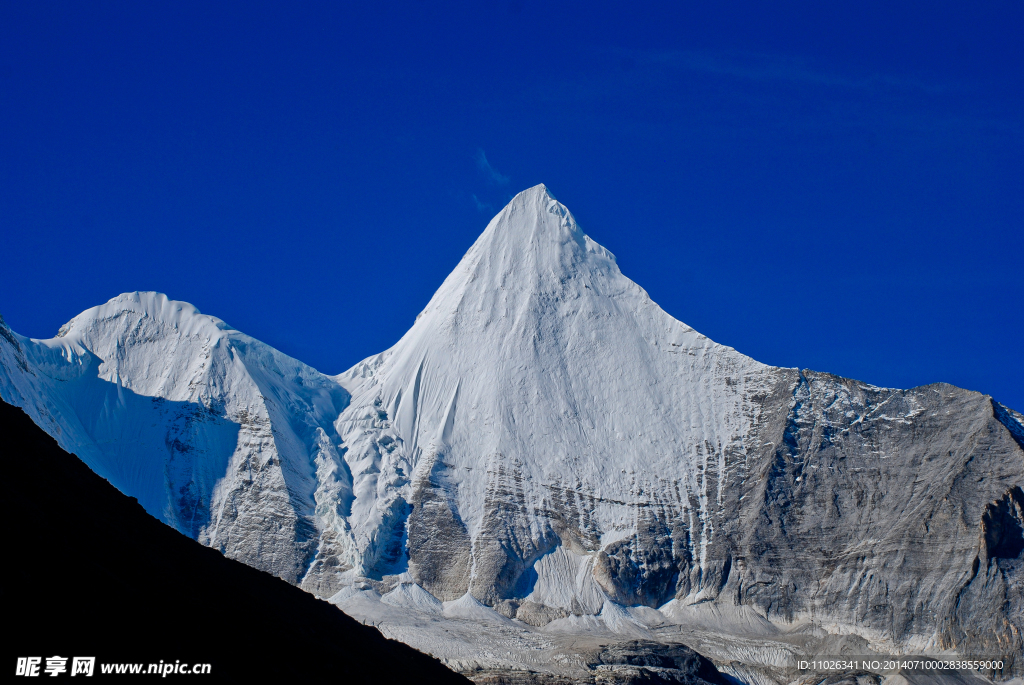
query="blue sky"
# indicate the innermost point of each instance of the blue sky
(832, 187)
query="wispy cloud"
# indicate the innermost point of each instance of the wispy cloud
(767, 68)
(771, 68)
(716, 91)
(655, 75)
(490, 173)
(481, 206)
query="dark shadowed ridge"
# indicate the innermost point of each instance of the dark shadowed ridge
(90, 573)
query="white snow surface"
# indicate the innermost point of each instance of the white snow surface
(538, 352)
(564, 576)
(412, 596)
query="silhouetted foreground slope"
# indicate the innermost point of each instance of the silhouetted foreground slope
(90, 573)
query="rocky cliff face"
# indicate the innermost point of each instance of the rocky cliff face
(547, 442)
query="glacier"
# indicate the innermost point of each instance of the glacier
(547, 460)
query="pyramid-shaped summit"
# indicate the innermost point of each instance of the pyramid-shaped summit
(537, 367)
(532, 246)
(547, 442)
(535, 228)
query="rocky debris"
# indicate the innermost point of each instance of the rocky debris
(853, 678)
(539, 614)
(656, 662)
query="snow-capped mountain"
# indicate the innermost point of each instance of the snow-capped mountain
(215, 433)
(537, 399)
(547, 444)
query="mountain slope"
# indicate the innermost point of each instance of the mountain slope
(214, 432)
(85, 557)
(547, 442)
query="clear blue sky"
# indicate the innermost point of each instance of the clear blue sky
(835, 188)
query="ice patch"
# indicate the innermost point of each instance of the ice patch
(412, 596)
(566, 580)
(351, 591)
(619, 620)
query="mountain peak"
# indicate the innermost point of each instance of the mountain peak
(531, 254)
(143, 305)
(539, 190)
(533, 213)
(533, 244)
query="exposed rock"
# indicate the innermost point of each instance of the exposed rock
(539, 614)
(669, 663)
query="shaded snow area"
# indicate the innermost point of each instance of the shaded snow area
(547, 463)
(215, 433)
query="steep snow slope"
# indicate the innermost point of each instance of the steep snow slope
(538, 399)
(213, 432)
